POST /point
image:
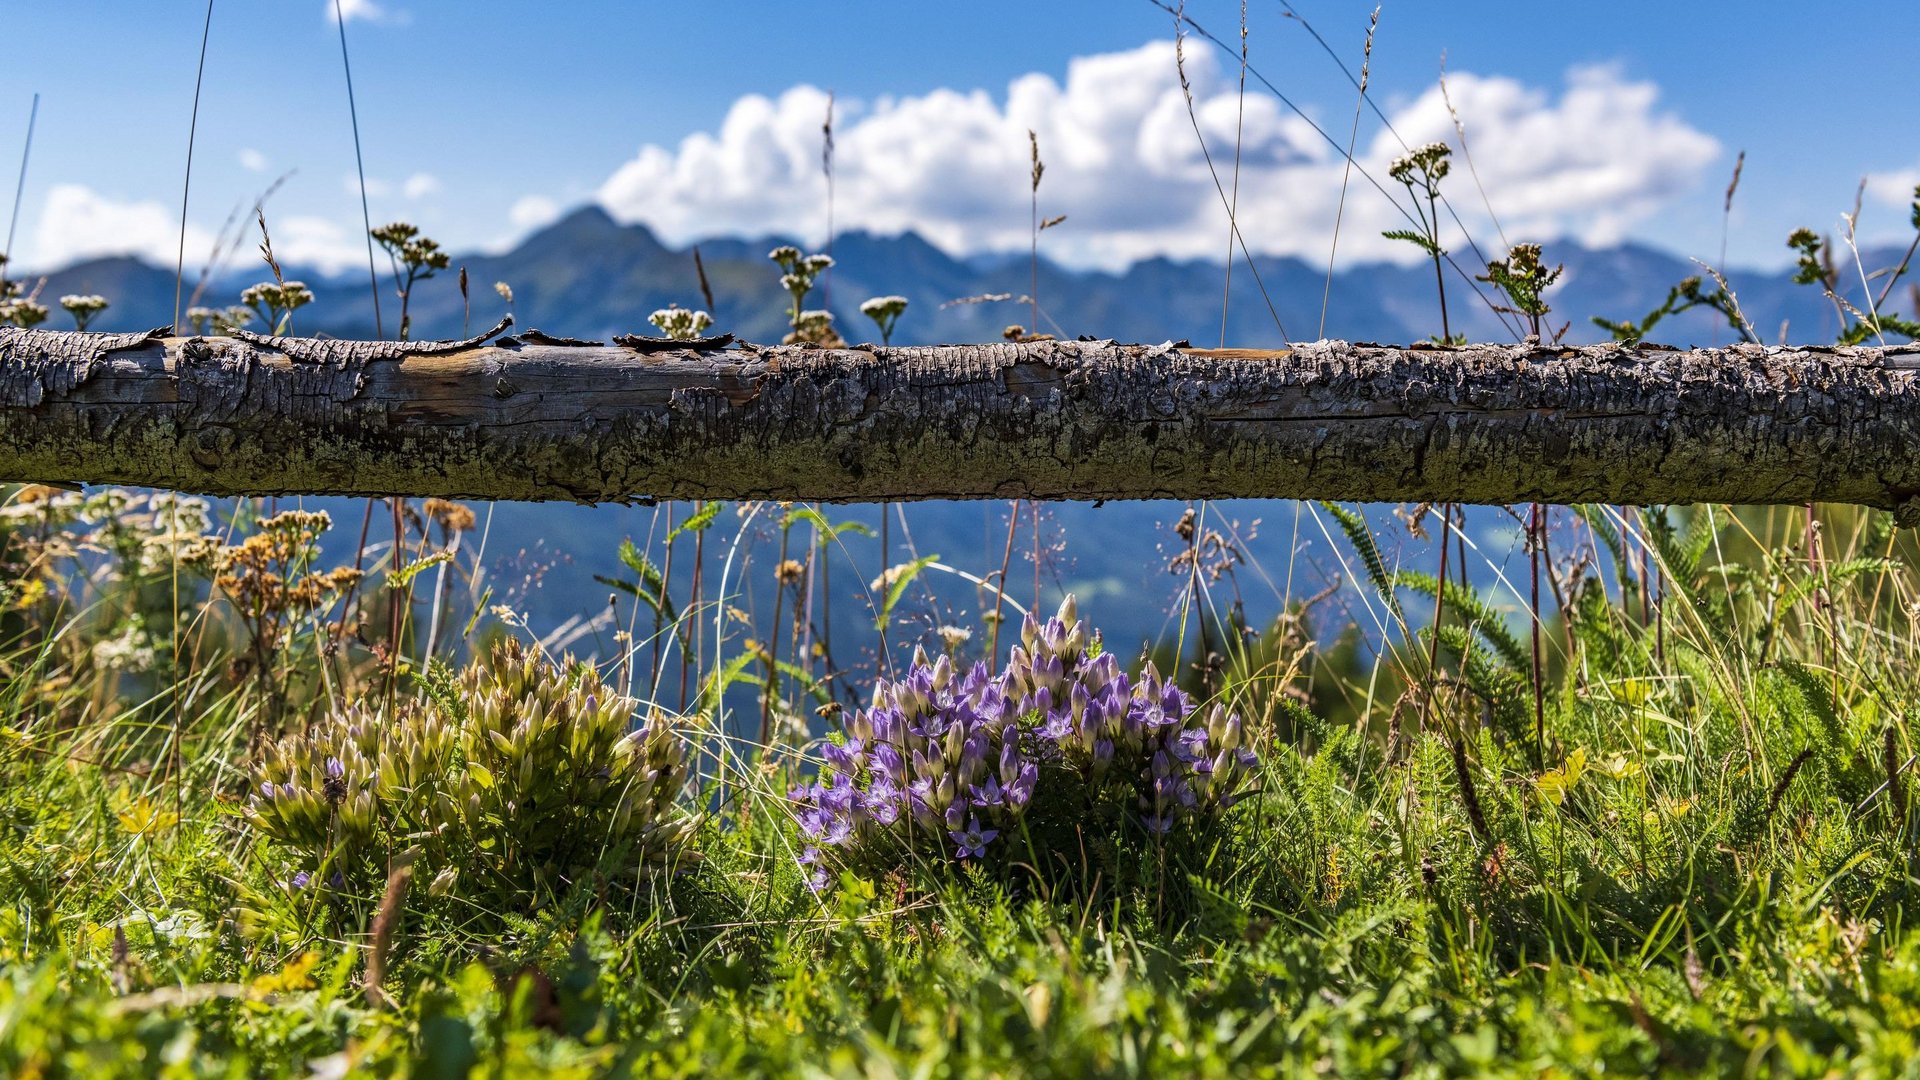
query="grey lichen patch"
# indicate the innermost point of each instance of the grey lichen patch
(37, 363)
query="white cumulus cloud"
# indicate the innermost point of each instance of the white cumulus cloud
(1900, 187)
(421, 185)
(418, 186)
(367, 10)
(305, 240)
(531, 212)
(253, 160)
(77, 222)
(1122, 161)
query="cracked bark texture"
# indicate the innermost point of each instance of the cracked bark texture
(531, 418)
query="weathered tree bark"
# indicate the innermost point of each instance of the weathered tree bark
(534, 417)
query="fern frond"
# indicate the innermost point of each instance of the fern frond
(1360, 535)
(1473, 609)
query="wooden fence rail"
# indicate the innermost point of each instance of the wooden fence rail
(536, 417)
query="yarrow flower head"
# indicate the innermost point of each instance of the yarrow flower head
(679, 323)
(1427, 164)
(885, 311)
(275, 303)
(19, 307)
(220, 321)
(83, 308)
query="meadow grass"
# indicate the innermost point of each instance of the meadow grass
(1702, 861)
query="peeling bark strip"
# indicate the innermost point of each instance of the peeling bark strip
(527, 419)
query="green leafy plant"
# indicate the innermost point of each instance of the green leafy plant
(798, 275)
(1523, 279)
(1420, 172)
(1814, 265)
(508, 784)
(415, 258)
(1689, 294)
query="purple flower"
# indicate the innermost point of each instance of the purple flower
(813, 821)
(844, 758)
(989, 794)
(1020, 792)
(818, 880)
(808, 856)
(335, 770)
(301, 880)
(1042, 701)
(1190, 744)
(839, 798)
(1009, 761)
(888, 725)
(886, 762)
(973, 842)
(839, 830)
(1159, 826)
(1174, 701)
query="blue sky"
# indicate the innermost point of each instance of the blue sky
(480, 119)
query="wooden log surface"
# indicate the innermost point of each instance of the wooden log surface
(536, 417)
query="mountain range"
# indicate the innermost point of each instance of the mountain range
(587, 275)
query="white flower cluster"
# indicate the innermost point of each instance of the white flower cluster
(83, 308)
(679, 323)
(17, 306)
(885, 311)
(220, 321)
(131, 650)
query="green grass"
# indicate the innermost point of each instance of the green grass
(1707, 870)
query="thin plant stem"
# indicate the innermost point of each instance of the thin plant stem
(1000, 583)
(186, 180)
(20, 185)
(1233, 204)
(1439, 610)
(1346, 172)
(1535, 519)
(360, 165)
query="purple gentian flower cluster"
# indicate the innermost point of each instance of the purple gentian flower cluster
(1113, 730)
(936, 762)
(945, 763)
